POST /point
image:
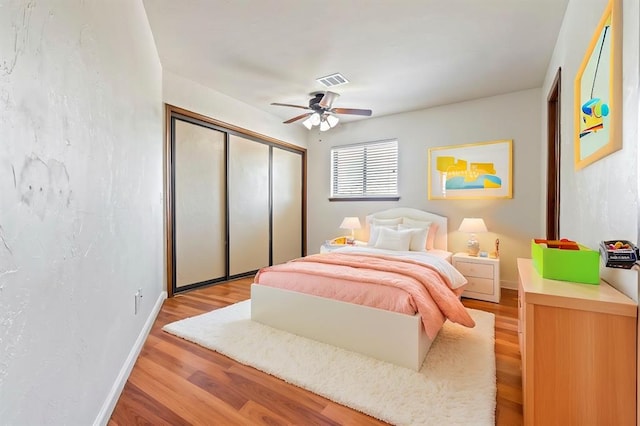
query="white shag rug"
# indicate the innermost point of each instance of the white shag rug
(455, 386)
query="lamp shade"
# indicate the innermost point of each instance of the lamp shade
(307, 123)
(472, 225)
(350, 222)
(315, 119)
(332, 120)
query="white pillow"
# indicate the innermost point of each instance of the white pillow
(432, 229)
(418, 237)
(375, 231)
(396, 221)
(416, 223)
(391, 239)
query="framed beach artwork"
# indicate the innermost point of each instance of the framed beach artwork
(598, 92)
(471, 171)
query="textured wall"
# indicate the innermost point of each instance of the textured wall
(80, 202)
(599, 202)
(515, 221)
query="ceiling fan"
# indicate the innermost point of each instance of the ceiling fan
(322, 111)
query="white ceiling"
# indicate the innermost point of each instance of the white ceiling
(399, 55)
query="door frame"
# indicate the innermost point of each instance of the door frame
(553, 158)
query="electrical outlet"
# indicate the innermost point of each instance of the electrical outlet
(137, 299)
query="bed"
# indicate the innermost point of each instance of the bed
(402, 338)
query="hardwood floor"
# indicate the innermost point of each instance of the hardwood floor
(175, 382)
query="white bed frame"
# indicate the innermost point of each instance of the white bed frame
(381, 334)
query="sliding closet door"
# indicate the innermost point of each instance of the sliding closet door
(286, 205)
(248, 187)
(199, 194)
(235, 201)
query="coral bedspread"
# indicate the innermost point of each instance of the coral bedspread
(427, 290)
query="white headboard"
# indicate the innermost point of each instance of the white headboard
(440, 241)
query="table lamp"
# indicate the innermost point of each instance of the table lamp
(472, 225)
(350, 222)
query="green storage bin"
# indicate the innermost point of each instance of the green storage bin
(581, 266)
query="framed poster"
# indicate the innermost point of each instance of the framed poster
(598, 92)
(470, 171)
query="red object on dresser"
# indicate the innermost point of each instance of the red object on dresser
(563, 244)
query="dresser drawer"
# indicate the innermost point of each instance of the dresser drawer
(479, 270)
(479, 285)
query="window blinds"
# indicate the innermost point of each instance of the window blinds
(365, 170)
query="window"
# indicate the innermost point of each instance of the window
(365, 171)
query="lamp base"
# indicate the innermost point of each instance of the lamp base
(473, 247)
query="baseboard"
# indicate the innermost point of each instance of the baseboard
(110, 403)
(512, 285)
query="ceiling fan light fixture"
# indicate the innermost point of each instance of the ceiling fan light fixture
(332, 120)
(307, 123)
(315, 119)
(324, 126)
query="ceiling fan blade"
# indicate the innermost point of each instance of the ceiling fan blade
(354, 111)
(327, 99)
(289, 105)
(299, 117)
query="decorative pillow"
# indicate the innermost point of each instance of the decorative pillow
(432, 227)
(412, 223)
(416, 223)
(375, 231)
(391, 239)
(431, 235)
(418, 237)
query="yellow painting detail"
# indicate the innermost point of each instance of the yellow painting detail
(455, 174)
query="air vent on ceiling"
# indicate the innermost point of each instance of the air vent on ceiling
(332, 80)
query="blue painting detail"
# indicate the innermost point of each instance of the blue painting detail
(480, 182)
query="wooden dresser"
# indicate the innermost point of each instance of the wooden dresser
(578, 346)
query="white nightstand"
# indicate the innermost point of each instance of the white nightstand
(327, 248)
(483, 274)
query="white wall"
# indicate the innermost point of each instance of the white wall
(515, 221)
(598, 202)
(187, 94)
(80, 206)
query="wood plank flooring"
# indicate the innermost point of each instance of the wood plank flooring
(175, 382)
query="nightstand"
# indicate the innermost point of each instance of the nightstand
(327, 248)
(483, 274)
